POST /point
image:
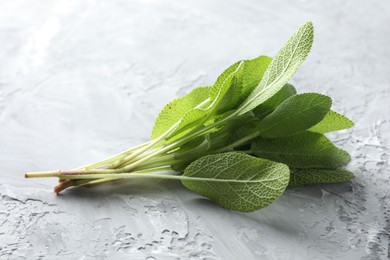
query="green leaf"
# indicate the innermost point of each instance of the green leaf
(242, 77)
(226, 90)
(193, 119)
(316, 176)
(295, 115)
(271, 104)
(282, 67)
(332, 122)
(252, 74)
(173, 112)
(237, 181)
(217, 102)
(226, 76)
(304, 150)
(189, 111)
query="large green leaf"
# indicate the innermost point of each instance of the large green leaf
(317, 176)
(237, 181)
(295, 115)
(198, 116)
(237, 82)
(193, 119)
(187, 112)
(271, 104)
(304, 150)
(332, 122)
(174, 111)
(227, 89)
(282, 67)
(252, 74)
(231, 86)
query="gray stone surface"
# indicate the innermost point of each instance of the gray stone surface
(81, 80)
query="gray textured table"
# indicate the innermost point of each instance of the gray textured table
(81, 80)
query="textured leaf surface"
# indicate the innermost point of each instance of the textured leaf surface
(271, 104)
(237, 181)
(176, 109)
(295, 115)
(227, 89)
(187, 111)
(252, 74)
(189, 121)
(222, 79)
(304, 150)
(317, 176)
(282, 67)
(220, 94)
(333, 121)
(238, 81)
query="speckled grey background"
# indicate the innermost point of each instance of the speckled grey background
(81, 80)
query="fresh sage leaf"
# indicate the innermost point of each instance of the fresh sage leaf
(304, 150)
(282, 67)
(175, 110)
(333, 121)
(318, 176)
(252, 74)
(295, 114)
(227, 89)
(237, 82)
(216, 102)
(237, 181)
(271, 104)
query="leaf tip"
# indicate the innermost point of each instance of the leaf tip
(309, 24)
(351, 123)
(308, 30)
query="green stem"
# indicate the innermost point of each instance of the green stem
(42, 174)
(140, 162)
(58, 173)
(133, 175)
(85, 182)
(113, 158)
(102, 180)
(143, 149)
(152, 176)
(243, 141)
(178, 143)
(166, 159)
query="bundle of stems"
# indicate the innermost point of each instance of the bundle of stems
(138, 161)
